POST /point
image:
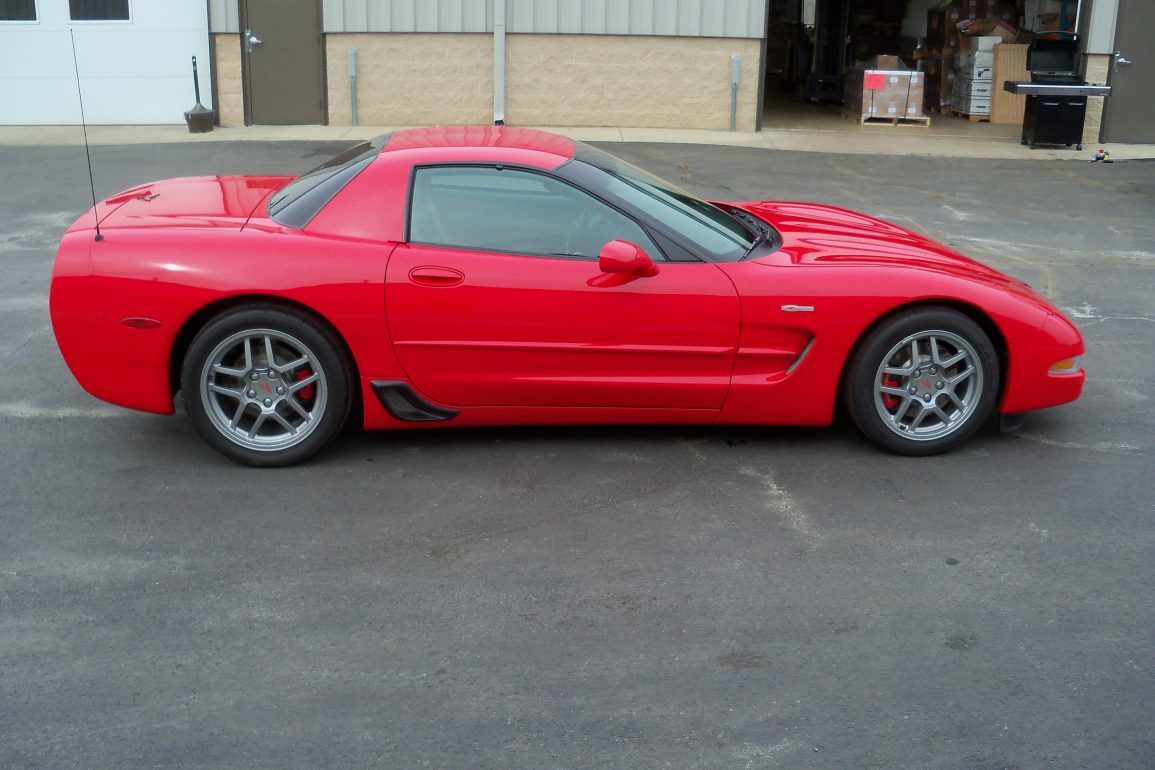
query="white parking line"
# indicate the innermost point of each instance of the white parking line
(1086, 312)
(28, 410)
(1101, 446)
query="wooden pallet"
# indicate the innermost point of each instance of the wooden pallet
(972, 116)
(922, 121)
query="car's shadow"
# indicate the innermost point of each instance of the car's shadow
(822, 447)
(636, 438)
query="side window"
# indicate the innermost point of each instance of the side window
(17, 10)
(98, 10)
(514, 211)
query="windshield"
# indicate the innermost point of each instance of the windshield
(708, 226)
(300, 200)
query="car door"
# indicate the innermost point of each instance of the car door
(496, 299)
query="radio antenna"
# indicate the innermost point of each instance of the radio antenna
(84, 126)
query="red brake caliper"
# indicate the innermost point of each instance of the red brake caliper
(305, 393)
(889, 381)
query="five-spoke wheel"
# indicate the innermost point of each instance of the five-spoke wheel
(923, 381)
(266, 385)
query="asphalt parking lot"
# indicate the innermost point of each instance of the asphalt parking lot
(595, 597)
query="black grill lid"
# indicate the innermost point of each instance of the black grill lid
(1057, 57)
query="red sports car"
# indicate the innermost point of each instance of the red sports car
(488, 275)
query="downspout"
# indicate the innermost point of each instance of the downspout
(499, 62)
(735, 76)
(353, 86)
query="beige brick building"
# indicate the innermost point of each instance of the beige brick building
(705, 64)
(658, 63)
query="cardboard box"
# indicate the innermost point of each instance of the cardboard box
(883, 93)
(981, 43)
(972, 105)
(884, 62)
(976, 71)
(972, 89)
(976, 59)
(1010, 65)
(989, 27)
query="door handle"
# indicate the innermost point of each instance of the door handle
(436, 276)
(1120, 60)
(251, 40)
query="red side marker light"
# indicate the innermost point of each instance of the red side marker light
(140, 322)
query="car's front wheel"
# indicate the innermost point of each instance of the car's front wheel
(266, 385)
(923, 382)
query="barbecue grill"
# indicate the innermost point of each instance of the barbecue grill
(1056, 96)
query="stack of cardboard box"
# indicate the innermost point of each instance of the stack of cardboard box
(947, 30)
(883, 90)
(973, 81)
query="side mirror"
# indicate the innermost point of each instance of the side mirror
(620, 256)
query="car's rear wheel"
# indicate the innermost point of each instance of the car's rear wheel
(266, 385)
(923, 382)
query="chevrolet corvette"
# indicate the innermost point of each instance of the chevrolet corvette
(465, 276)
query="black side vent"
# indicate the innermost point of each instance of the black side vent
(401, 402)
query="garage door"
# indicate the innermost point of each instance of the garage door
(134, 56)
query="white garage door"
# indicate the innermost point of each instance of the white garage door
(135, 60)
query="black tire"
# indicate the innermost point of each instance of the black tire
(264, 413)
(927, 405)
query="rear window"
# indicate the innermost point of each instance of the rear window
(299, 201)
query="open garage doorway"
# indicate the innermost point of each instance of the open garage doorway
(812, 45)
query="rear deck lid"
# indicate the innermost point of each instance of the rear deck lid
(192, 202)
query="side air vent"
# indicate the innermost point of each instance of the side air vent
(401, 402)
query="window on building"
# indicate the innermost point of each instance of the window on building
(98, 10)
(513, 211)
(17, 10)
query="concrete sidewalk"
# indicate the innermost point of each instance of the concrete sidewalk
(994, 142)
